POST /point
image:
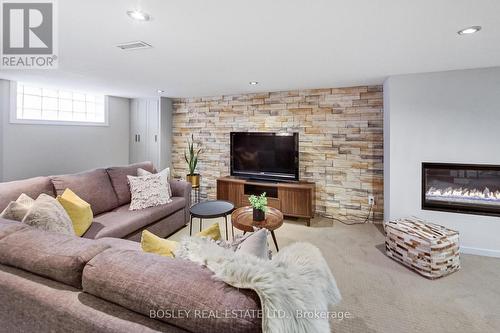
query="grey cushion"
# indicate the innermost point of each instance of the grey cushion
(33, 187)
(255, 244)
(121, 221)
(121, 244)
(181, 188)
(8, 227)
(31, 303)
(48, 214)
(92, 186)
(49, 254)
(118, 176)
(143, 282)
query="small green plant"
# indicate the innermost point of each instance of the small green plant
(259, 202)
(191, 156)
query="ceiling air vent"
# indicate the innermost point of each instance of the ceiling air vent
(134, 45)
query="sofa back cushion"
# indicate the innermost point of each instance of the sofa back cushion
(53, 255)
(32, 187)
(118, 176)
(8, 227)
(145, 282)
(92, 186)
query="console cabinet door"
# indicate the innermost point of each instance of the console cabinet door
(295, 201)
(230, 191)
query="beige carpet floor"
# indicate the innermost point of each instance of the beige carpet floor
(383, 296)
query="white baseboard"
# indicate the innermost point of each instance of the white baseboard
(480, 252)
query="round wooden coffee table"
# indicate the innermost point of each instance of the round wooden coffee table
(242, 219)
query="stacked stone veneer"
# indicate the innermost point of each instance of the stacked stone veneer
(340, 140)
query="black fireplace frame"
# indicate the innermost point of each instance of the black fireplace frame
(464, 209)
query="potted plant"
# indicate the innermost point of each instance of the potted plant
(259, 205)
(191, 157)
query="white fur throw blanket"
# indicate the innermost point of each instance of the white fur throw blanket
(296, 280)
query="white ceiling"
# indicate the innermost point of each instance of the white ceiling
(203, 47)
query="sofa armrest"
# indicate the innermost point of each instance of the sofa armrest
(181, 188)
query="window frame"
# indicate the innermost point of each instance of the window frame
(14, 120)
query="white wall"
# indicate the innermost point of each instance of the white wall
(441, 117)
(37, 150)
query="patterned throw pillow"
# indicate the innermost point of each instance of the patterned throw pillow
(48, 214)
(149, 191)
(16, 210)
(165, 247)
(166, 171)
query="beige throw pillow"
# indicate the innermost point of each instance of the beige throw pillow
(48, 214)
(16, 210)
(149, 190)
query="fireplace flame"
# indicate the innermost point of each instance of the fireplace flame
(464, 195)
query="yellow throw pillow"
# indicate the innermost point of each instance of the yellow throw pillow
(154, 244)
(78, 210)
(211, 232)
(164, 247)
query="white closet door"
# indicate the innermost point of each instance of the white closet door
(134, 131)
(142, 127)
(153, 135)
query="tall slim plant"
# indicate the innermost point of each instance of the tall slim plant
(191, 156)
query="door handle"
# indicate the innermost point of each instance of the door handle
(139, 137)
(156, 137)
(135, 139)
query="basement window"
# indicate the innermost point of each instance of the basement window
(49, 106)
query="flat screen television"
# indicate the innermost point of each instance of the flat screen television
(265, 156)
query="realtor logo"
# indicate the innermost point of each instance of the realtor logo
(28, 35)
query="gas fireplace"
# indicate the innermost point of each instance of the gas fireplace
(461, 188)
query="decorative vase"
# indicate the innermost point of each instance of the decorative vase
(258, 215)
(194, 179)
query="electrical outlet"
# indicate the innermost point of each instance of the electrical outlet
(371, 200)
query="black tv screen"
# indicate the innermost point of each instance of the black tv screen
(273, 156)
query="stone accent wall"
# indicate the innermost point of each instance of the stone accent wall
(340, 140)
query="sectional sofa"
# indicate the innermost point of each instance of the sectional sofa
(108, 193)
(51, 282)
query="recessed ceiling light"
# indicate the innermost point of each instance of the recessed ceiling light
(159, 91)
(253, 83)
(469, 30)
(138, 15)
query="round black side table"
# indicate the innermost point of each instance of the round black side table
(209, 210)
(196, 197)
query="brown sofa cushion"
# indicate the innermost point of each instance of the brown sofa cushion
(31, 303)
(92, 186)
(8, 227)
(118, 176)
(121, 222)
(182, 188)
(143, 282)
(33, 187)
(53, 255)
(121, 244)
